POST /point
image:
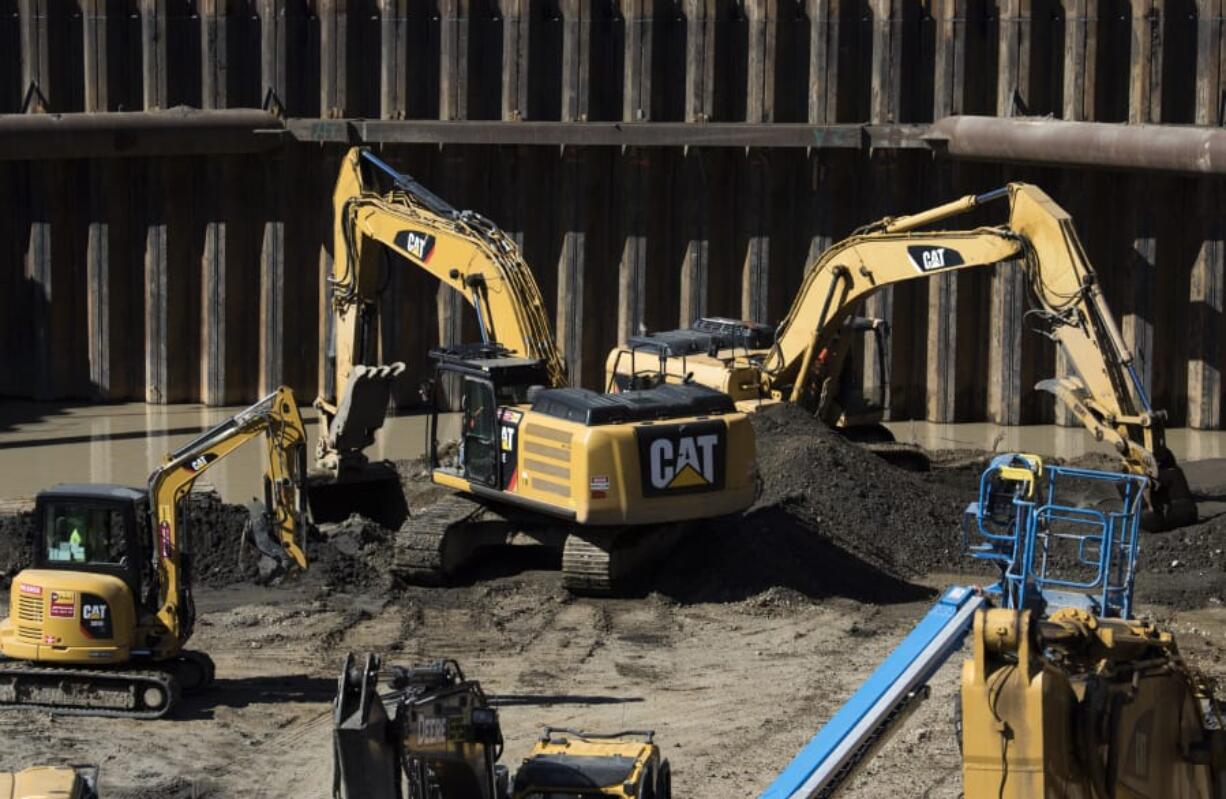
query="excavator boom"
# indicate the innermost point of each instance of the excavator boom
(463, 249)
(279, 530)
(804, 361)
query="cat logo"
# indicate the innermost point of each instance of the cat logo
(198, 463)
(933, 259)
(417, 244)
(681, 459)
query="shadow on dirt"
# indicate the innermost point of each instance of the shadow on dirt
(736, 559)
(490, 563)
(247, 691)
(551, 700)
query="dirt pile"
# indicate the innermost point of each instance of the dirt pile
(16, 540)
(1184, 568)
(352, 554)
(832, 518)
(906, 524)
(219, 556)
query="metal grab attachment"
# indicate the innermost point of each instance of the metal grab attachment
(366, 759)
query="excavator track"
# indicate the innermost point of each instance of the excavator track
(427, 540)
(119, 693)
(437, 540)
(588, 563)
(606, 562)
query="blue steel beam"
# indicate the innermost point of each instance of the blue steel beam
(830, 755)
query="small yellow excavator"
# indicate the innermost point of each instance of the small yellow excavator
(99, 624)
(801, 360)
(605, 479)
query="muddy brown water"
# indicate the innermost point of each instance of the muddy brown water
(42, 444)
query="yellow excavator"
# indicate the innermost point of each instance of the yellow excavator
(801, 360)
(605, 479)
(99, 624)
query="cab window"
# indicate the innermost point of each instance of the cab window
(478, 410)
(82, 533)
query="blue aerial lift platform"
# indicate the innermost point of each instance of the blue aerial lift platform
(1021, 523)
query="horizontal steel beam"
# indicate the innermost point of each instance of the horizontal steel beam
(610, 134)
(177, 131)
(1163, 148)
(184, 131)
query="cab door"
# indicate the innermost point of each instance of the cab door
(479, 415)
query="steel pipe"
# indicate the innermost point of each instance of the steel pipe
(609, 134)
(177, 131)
(1160, 148)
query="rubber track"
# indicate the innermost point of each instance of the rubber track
(96, 676)
(420, 540)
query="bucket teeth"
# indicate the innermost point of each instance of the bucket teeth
(363, 406)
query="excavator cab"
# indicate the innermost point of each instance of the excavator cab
(80, 600)
(92, 528)
(488, 381)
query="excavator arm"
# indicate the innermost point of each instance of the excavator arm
(277, 419)
(1105, 393)
(461, 248)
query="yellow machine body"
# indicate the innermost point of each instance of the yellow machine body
(1081, 707)
(56, 615)
(44, 782)
(571, 763)
(692, 468)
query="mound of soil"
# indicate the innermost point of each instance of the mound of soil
(219, 555)
(832, 518)
(904, 523)
(1184, 568)
(352, 554)
(16, 541)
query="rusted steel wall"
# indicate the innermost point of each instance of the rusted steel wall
(201, 278)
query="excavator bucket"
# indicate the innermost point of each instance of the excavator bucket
(369, 489)
(363, 406)
(366, 763)
(259, 531)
